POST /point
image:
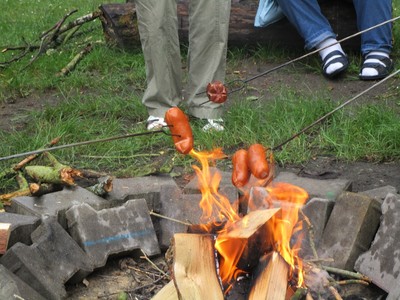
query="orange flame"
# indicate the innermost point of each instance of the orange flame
(290, 198)
(217, 209)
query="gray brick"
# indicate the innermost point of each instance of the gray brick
(381, 192)
(177, 206)
(53, 259)
(55, 204)
(147, 187)
(316, 188)
(29, 265)
(12, 287)
(21, 227)
(350, 229)
(394, 293)
(318, 211)
(113, 231)
(381, 262)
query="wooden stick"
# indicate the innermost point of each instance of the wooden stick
(335, 293)
(350, 281)
(170, 219)
(72, 64)
(346, 273)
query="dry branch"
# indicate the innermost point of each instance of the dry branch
(77, 58)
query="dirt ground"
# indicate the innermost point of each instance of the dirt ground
(139, 276)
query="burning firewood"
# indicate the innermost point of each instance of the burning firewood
(194, 272)
(272, 280)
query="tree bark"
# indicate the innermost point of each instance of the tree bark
(120, 25)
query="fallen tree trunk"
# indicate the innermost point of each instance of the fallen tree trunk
(120, 25)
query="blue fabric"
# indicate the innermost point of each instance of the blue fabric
(268, 12)
(313, 26)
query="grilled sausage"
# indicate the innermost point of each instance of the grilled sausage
(180, 129)
(216, 92)
(258, 164)
(241, 171)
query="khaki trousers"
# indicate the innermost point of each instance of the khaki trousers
(208, 38)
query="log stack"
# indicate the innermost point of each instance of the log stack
(120, 25)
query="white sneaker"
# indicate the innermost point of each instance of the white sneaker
(214, 124)
(155, 123)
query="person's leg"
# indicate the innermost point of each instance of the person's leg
(376, 44)
(314, 28)
(158, 28)
(208, 39)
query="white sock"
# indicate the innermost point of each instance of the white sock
(324, 52)
(372, 71)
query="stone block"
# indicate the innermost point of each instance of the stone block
(113, 231)
(55, 204)
(381, 263)
(21, 227)
(350, 229)
(381, 192)
(394, 293)
(147, 187)
(178, 206)
(32, 268)
(12, 287)
(53, 259)
(326, 189)
(317, 211)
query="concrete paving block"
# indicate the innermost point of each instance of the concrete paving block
(326, 189)
(381, 263)
(55, 204)
(113, 231)
(350, 229)
(12, 287)
(147, 187)
(317, 211)
(394, 293)
(55, 244)
(381, 192)
(53, 259)
(21, 227)
(29, 265)
(178, 206)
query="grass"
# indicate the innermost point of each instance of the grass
(101, 98)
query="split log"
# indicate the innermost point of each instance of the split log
(195, 274)
(5, 231)
(272, 280)
(168, 292)
(120, 25)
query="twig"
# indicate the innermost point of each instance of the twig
(168, 218)
(135, 289)
(328, 259)
(72, 64)
(350, 281)
(346, 273)
(34, 156)
(335, 293)
(144, 272)
(310, 234)
(121, 157)
(79, 21)
(49, 36)
(153, 264)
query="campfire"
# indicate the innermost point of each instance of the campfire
(229, 244)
